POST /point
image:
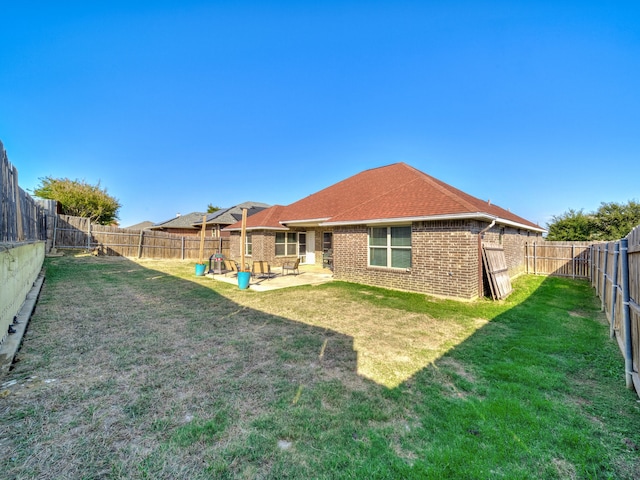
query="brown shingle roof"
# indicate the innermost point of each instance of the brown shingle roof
(396, 191)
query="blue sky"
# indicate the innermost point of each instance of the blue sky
(172, 105)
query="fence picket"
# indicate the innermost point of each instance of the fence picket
(21, 217)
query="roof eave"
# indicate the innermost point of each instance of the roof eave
(430, 218)
(308, 222)
(399, 220)
(237, 229)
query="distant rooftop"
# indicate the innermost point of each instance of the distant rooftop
(180, 221)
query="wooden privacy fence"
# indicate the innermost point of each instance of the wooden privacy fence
(79, 233)
(21, 217)
(565, 259)
(616, 278)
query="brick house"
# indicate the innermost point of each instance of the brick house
(181, 224)
(191, 223)
(224, 217)
(393, 227)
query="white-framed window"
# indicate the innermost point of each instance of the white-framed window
(390, 247)
(248, 246)
(286, 244)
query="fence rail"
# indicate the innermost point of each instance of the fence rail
(616, 278)
(79, 233)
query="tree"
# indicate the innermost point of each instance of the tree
(211, 208)
(571, 225)
(616, 220)
(611, 221)
(80, 199)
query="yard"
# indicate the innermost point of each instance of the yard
(143, 370)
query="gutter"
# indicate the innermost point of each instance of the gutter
(480, 234)
(429, 218)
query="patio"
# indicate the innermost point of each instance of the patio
(309, 275)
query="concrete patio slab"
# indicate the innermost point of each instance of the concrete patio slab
(310, 276)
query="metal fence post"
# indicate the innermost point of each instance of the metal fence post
(628, 351)
(604, 277)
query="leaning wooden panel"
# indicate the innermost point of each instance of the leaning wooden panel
(497, 270)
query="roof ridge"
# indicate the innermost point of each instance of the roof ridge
(381, 194)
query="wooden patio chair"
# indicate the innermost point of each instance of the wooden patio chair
(230, 267)
(261, 269)
(291, 266)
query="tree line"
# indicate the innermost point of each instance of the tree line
(81, 199)
(611, 221)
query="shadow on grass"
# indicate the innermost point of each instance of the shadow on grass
(141, 372)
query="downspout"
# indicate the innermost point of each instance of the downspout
(480, 234)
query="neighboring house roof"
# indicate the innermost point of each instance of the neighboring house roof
(393, 193)
(181, 221)
(231, 215)
(141, 226)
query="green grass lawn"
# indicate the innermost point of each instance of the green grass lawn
(143, 370)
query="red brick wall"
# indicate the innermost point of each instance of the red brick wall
(513, 240)
(444, 260)
(444, 256)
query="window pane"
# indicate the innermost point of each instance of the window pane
(279, 248)
(378, 257)
(327, 241)
(378, 236)
(291, 237)
(400, 236)
(279, 237)
(401, 257)
(291, 249)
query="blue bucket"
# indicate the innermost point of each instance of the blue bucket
(200, 269)
(243, 280)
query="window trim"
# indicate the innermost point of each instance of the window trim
(389, 247)
(248, 245)
(286, 244)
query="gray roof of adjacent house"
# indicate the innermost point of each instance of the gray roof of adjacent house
(231, 215)
(141, 225)
(181, 221)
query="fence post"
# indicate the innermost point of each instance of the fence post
(597, 274)
(614, 289)
(628, 351)
(573, 261)
(140, 244)
(88, 234)
(182, 248)
(605, 276)
(18, 200)
(55, 232)
(534, 259)
(591, 264)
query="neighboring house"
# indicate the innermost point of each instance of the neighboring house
(181, 224)
(224, 217)
(141, 226)
(393, 227)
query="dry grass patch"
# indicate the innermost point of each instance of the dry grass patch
(142, 370)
